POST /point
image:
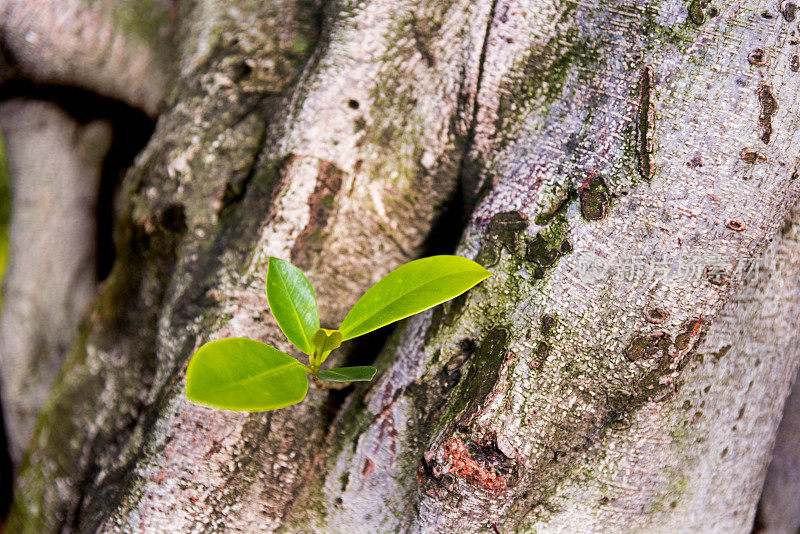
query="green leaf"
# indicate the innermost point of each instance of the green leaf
(292, 301)
(325, 341)
(410, 289)
(361, 373)
(242, 374)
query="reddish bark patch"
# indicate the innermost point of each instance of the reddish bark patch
(368, 468)
(690, 335)
(309, 243)
(463, 466)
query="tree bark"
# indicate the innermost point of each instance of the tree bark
(632, 167)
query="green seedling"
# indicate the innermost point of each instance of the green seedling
(243, 374)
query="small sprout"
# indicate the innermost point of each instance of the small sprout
(247, 375)
(361, 373)
(242, 374)
(293, 303)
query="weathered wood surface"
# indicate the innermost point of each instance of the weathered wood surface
(234, 173)
(654, 128)
(622, 369)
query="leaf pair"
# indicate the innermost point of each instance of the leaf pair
(242, 374)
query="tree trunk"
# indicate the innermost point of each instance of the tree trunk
(627, 171)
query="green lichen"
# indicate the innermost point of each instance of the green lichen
(504, 233)
(541, 74)
(506, 228)
(595, 199)
(648, 346)
(559, 201)
(395, 117)
(549, 244)
(482, 374)
(697, 11)
(146, 19)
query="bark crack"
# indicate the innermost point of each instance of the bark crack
(472, 196)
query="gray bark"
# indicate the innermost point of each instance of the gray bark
(54, 164)
(539, 438)
(622, 370)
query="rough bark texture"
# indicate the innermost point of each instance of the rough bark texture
(659, 216)
(623, 369)
(55, 166)
(353, 178)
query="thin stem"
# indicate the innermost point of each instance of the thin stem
(315, 362)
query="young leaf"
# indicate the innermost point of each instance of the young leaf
(242, 374)
(410, 289)
(362, 373)
(325, 341)
(292, 301)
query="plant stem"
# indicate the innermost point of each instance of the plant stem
(314, 361)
